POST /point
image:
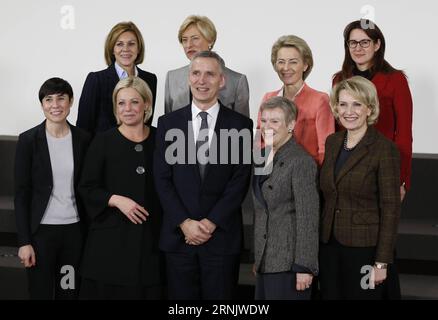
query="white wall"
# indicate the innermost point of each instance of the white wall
(35, 47)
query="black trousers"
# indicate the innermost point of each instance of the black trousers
(344, 272)
(201, 275)
(58, 251)
(279, 286)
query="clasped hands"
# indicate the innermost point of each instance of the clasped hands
(197, 232)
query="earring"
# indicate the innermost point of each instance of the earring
(290, 130)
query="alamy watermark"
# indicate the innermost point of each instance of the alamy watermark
(67, 21)
(231, 147)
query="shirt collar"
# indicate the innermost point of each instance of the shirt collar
(121, 73)
(212, 111)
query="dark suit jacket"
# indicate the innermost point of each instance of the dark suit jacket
(34, 180)
(218, 197)
(95, 112)
(364, 198)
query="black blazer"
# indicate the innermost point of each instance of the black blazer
(95, 113)
(218, 197)
(34, 180)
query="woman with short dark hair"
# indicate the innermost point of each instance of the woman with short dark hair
(49, 213)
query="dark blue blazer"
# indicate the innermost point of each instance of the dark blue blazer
(218, 197)
(95, 113)
(34, 180)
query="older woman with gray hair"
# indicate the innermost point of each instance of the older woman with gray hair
(286, 205)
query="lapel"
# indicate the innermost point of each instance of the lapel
(76, 152)
(281, 156)
(330, 157)
(361, 151)
(44, 156)
(187, 128)
(112, 76)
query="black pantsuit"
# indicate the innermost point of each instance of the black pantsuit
(54, 245)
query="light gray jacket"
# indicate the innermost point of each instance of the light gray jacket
(234, 95)
(287, 213)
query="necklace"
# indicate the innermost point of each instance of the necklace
(345, 145)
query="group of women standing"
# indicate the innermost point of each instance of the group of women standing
(363, 177)
(110, 233)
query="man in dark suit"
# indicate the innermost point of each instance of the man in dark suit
(201, 193)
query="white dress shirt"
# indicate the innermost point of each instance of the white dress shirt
(211, 120)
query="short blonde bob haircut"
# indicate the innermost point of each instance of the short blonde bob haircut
(291, 41)
(361, 89)
(141, 87)
(115, 33)
(204, 25)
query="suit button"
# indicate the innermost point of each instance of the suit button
(264, 236)
(337, 211)
(140, 170)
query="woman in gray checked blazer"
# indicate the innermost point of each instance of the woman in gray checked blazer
(286, 205)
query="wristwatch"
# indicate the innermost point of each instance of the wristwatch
(379, 265)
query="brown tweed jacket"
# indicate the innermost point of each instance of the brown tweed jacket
(364, 198)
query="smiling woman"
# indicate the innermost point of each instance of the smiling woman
(292, 59)
(124, 50)
(48, 209)
(359, 180)
(364, 46)
(197, 34)
(122, 204)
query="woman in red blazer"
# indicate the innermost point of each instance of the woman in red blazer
(365, 56)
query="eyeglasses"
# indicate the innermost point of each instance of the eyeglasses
(365, 43)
